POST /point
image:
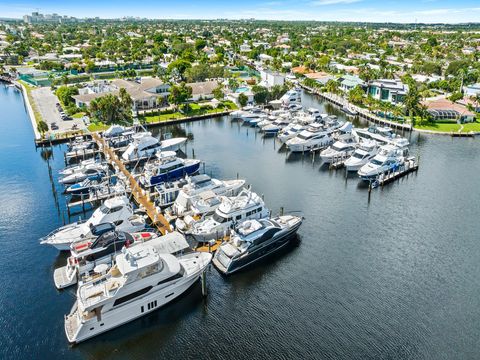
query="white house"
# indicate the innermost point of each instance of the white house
(472, 90)
(270, 78)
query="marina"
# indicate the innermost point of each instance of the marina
(359, 261)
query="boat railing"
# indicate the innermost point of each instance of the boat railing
(45, 238)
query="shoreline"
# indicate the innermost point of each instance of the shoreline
(371, 118)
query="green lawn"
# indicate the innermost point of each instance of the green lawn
(29, 88)
(78, 115)
(449, 127)
(98, 126)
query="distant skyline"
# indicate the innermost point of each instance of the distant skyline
(406, 11)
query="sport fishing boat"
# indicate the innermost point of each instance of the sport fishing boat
(168, 167)
(362, 155)
(141, 281)
(389, 158)
(117, 211)
(142, 148)
(233, 210)
(199, 184)
(253, 240)
(83, 187)
(69, 170)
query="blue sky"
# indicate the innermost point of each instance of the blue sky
(451, 11)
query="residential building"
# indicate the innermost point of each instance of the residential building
(349, 82)
(393, 91)
(441, 108)
(271, 78)
(150, 93)
(203, 90)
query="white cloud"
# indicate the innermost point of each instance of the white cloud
(333, 2)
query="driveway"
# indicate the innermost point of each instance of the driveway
(45, 101)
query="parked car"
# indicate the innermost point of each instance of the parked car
(54, 126)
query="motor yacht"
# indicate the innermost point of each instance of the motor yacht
(141, 281)
(253, 240)
(362, 155)
(168, 167)
(291, 96)
(232, 210)
(92, 171)
(389, 158)
(339, 150)
(289, 132)
(308, 140)
(117, 211)
(199, 184)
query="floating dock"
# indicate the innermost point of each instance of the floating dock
(140, 195)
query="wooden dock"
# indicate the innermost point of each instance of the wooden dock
(410, 165)
(140, 195)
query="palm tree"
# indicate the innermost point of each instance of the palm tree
(331, 86)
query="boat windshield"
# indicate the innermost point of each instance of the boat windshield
(358, 155)
(377, 162)
(219, 218)
(304, 137)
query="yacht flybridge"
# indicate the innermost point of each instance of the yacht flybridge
(362, 155)
(117, 211)
(199, 184)
(232, 210)
(254, 240)
(141, 281)
(146, 146)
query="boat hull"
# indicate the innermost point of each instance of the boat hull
(175, 174)
(250, 258)
(130, 311)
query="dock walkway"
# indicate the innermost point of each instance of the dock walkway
(140, 196)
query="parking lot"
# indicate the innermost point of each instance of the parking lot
(46, 102)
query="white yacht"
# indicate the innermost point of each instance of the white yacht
(199, 184)
(308, 140)
(141, 281)
(289, 132)
(141, 148)
(232, 210)
(339, 150)
(90, 170)
(362, 155)
(253, 240)
(291, 96)
(389, 158)
(95, 250)
(113, 131)
(117, 211)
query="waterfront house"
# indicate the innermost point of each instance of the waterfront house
(320, 77)
(393, 91)
(149, 93)
(349, 82)
(442, 109)
(202, 90)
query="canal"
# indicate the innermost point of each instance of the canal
(395, 276)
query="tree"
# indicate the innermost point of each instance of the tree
(112, 109)
(331, 86)
(356, 95)
(65, 95)
(456, 96)
(179, 94)
(242, 99)
(179, 65)
(42, 127)
(218, 92)
(260, 94)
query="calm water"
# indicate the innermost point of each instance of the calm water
(391, 278)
